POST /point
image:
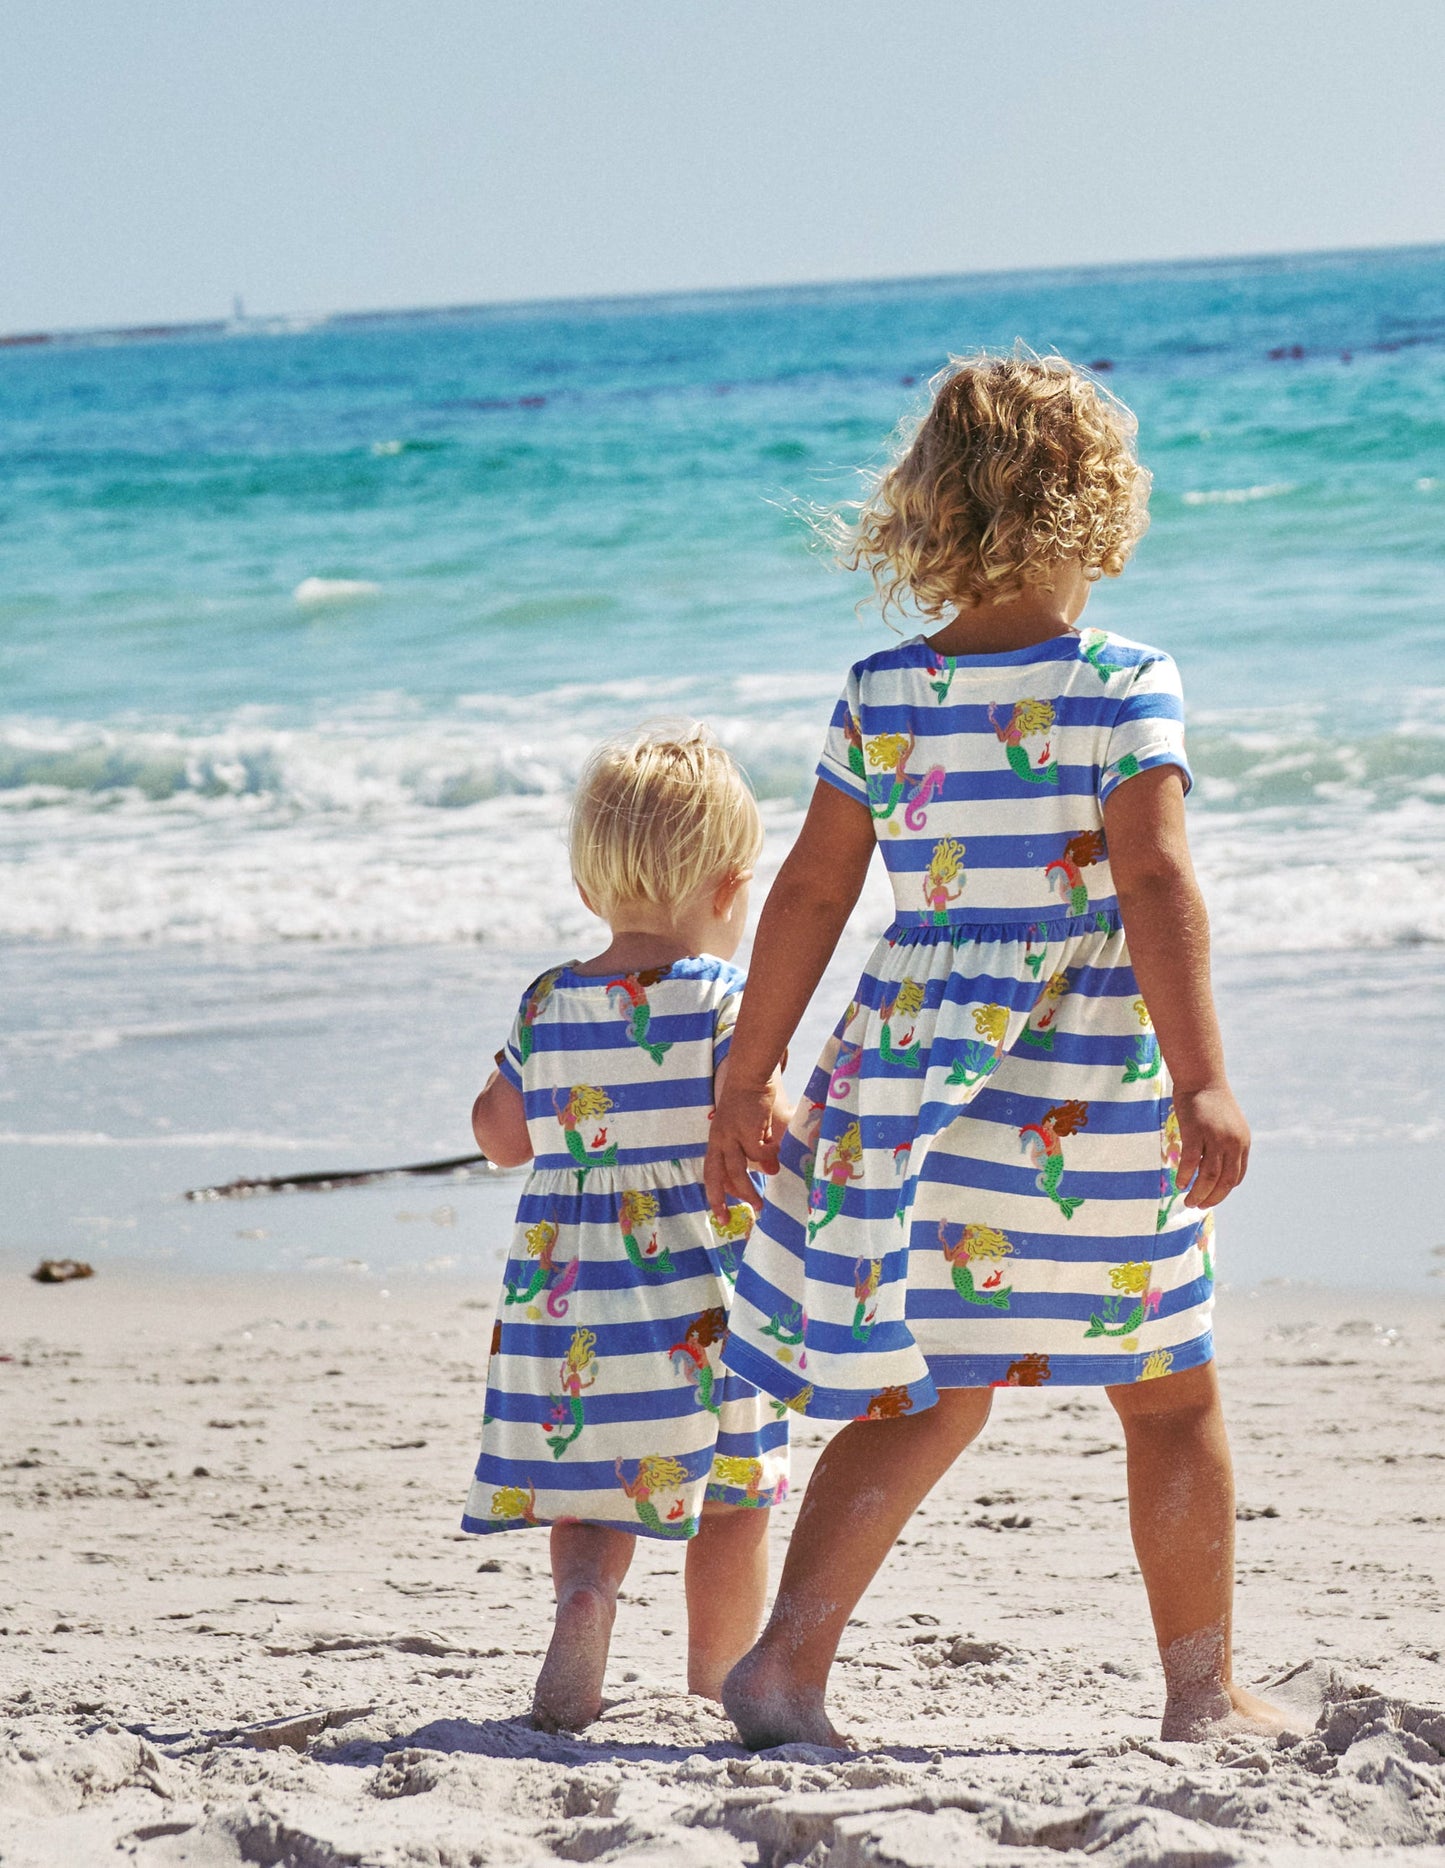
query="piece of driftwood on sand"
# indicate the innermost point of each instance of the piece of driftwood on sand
(322, 1182)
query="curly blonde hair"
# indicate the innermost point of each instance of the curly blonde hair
(1021, 463)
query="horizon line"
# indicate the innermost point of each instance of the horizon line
(160, 330)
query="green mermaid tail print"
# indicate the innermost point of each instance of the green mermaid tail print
(787, 1326)
(628, 998)
(1147, 1059)
(941, 671)
(842, 1163)
(1029, 719)
(657, 1473)
(577, 1373)
(1079, 853)
(1043, 1142)
(853, 738)
(1131, 1289)
(637, 1209)
(906, 1003)
(532, 1010)
(1094, 646)
(867, 1275)
(983, 1246)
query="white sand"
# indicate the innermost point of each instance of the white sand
(228, 1504)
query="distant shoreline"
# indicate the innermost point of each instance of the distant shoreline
(297, 323)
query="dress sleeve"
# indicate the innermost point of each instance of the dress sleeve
(509, 1058)
(1148, 729)
(842, 762)
(518, 1048)
(724, 1019)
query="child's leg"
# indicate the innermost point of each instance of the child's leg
(727, 1585)
(589, 1562)
(1181, 1513)
(869, 1481)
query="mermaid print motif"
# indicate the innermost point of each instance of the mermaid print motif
(1096, 649)
(689, 1357)
(577, 1373)
(980, 1056)
(842, 1163)
(733, 1231)
(1147, 1058)
(1030, 1371)
(636, 1210)
(890, 752)
(541, 1245)
(867, 1273)
(1132, 1303)
(732, 1472)
(532, 1010)
(515, 1505)
(941, 671)
(1169, 1188)
(1029, 719)
(1043, 1142)
(812, 1129)
(1065, 871)
(846, 1066)
(986, 1247)
(853, 739)
(629, 998)
(788, 1327)
(888, 1404)
(945, 867)
(585, 1103)
(1040, 1029)
(905, 1003)
(657, 1474)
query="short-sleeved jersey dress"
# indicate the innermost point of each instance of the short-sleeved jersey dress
(979, 1186)
(605, 1398)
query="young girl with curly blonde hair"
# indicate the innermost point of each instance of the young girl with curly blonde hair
(1030, 1073)
(608, 1415)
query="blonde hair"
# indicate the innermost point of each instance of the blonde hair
(1020, 463)
(658, 814)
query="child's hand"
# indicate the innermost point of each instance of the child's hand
(1213, 1144)
(745, 1130)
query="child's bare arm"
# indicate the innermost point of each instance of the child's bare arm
(499, 1123)
(1168, 930)
(807, 909)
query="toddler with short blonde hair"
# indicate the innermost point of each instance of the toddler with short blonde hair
(608, 1414)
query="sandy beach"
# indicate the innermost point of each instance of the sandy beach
(240, 1626)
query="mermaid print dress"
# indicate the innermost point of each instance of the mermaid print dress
(606, 1400)
(979, 1185)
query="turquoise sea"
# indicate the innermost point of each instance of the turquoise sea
(306, 625)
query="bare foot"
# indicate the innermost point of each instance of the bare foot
(568, 1693)
(769, 1707)
(1226, 1710)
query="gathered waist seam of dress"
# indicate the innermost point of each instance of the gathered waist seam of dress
(1010, 925)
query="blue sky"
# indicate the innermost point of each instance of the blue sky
(160, 156)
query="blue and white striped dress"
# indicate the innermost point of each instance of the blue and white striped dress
(979, 1188)
(605, 1398)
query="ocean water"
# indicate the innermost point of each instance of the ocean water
(305, 629)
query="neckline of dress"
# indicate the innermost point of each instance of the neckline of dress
(1050, 649)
